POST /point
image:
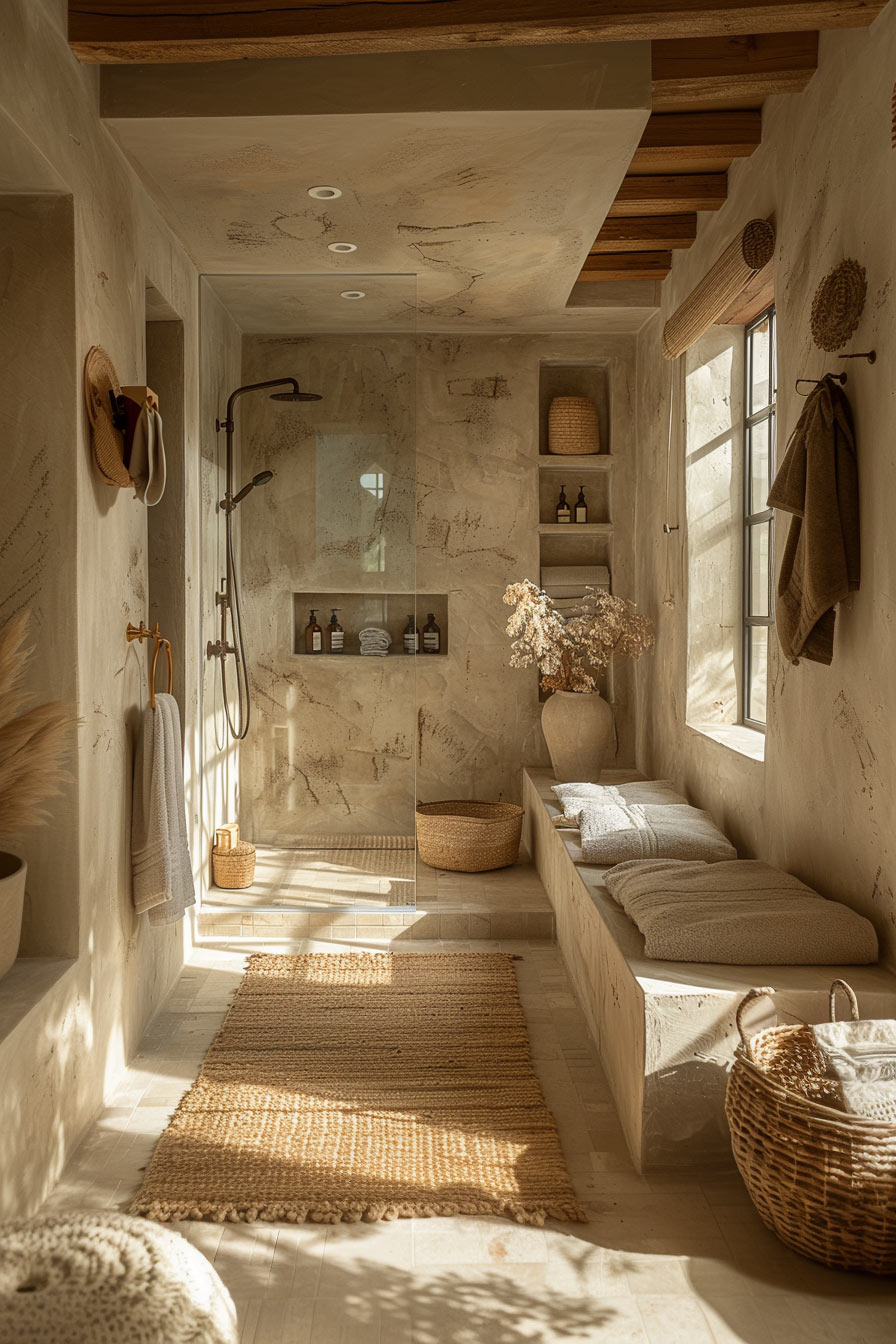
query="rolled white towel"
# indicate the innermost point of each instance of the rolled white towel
(374, 641)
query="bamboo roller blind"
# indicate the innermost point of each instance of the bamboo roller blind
(748, 253)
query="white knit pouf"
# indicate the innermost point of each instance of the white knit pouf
(98, 1278)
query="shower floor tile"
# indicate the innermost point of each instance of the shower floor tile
(325, 879)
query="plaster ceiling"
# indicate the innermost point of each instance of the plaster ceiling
(484, 175)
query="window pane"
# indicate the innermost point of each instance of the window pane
(758, 675)
(760, 390)
(759, 446)
(759, 536)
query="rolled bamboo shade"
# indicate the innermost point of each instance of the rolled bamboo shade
(750, 251)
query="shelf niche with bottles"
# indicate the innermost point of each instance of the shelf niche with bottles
(575, 543)
(357, 611)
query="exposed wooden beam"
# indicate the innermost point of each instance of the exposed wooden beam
(718, 72)
(680, 142)
(141, 31)
(646, 233)
(627, 266)
(663, 195)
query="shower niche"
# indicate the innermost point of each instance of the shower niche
(365, 611)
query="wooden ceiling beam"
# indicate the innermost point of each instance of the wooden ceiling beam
(155, 31)
(626, 266)
(700, 142)
(720, 72)
(646, 233)
(665, 195)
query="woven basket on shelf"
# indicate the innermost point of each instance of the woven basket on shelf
(572, 427)
(469, 837)
(234, 868)
(823, 1180)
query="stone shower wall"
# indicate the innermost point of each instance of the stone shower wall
(347, 747)
(823, 802)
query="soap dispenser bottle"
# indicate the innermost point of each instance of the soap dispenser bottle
(411, 637)
(564, 513)
(581, 506)
(432, 635)
(335, 634)
(314, 636)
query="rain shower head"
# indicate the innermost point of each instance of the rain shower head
(296, 396)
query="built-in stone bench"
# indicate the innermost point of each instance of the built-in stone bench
(664, 1030)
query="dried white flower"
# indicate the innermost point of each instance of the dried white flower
(572, 654)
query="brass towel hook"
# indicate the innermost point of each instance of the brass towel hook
(142, 632)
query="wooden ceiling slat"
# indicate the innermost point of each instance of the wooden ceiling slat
(700, 142)
(150, 31)
(731, 72)
(627, 266)
(668, 195)
(646, 233)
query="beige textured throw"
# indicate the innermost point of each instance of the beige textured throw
(624, 831)
(350, 1087)
(861, 1056)
(655, 792)
(817, 482)
(743, 913)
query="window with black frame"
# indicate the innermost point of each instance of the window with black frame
(761, 389)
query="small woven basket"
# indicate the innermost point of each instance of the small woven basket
(572, 427)
(234, 868)
(469, 837)
(823, 1180)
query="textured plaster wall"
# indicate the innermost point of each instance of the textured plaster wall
(67, 1051)
(822, 802)
(339, 747)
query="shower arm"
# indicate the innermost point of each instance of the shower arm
(227, 424)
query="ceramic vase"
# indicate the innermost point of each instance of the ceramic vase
(13, 871)
(578, 728)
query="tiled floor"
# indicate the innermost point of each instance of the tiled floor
(663, 1260)
(332, 878)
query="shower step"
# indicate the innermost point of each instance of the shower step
(471, 924)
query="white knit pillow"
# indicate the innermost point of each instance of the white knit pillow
(101, 1278)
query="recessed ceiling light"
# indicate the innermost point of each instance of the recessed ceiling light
(353, 294)
(342, 247)
(324, 193)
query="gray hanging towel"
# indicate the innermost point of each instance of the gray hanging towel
(818, 483)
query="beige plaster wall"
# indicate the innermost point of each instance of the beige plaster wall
(342, 747)
(822, 802)
(69, 1048)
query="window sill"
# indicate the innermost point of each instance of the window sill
(747, 742)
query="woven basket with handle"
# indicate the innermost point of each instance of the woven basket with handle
(823, 1180)
(572, 427)
(469, 837)
(234, 868)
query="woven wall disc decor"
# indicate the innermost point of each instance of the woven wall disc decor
(838, 304)
(100, 379)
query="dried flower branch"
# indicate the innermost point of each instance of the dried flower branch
(572, 654)
(32, 744)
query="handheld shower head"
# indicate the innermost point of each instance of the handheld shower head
(261, 479)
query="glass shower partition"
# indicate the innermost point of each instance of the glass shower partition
(326, 567)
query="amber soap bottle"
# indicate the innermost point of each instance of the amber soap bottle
(314, 636)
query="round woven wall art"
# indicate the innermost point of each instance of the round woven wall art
(838, 304)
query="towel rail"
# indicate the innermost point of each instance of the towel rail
(142, 632)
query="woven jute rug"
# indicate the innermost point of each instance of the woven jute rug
(354, 1087)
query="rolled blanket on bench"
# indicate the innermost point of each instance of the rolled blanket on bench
(744, 913)
(654, 792)
(617, 832)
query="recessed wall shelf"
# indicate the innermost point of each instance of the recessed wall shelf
(575, 529)
(387, 611)
(571, 464)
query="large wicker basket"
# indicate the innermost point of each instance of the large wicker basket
(572, 427)
(234, 869)
(469, 837)
(822, 1179)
